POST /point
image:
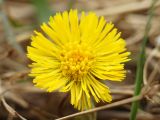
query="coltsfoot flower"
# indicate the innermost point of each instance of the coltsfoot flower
(76, 55)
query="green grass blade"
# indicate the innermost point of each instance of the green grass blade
(140, 64)
(43, 11)
(11, 39)
(70, 4)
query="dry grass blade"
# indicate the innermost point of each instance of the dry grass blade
(11, 110)
(145, 74)
(124, 8)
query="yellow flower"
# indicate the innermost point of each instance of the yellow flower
(77, 55)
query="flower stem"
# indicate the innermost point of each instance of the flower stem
(90, 116)
(141, 61)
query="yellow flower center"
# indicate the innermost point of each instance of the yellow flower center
(76, 61)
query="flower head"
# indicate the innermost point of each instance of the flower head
(77, 55)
